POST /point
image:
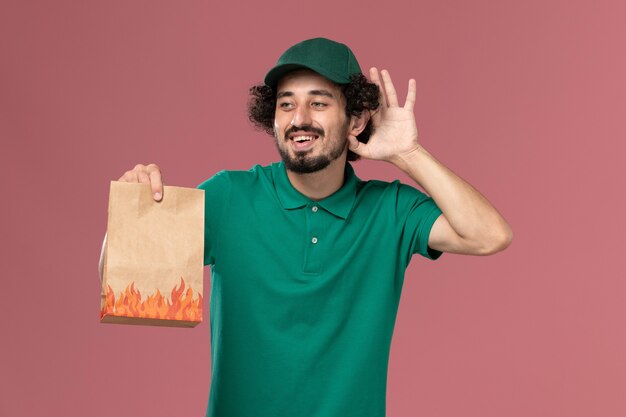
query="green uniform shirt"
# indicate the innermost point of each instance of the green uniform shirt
(304, 294)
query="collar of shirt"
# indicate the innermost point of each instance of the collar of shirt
(339, 203)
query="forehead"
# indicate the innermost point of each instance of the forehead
(304, 80)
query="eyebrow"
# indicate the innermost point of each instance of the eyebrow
(325, 93)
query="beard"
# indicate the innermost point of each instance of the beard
(302, 162)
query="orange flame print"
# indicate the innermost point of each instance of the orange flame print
(130, 304)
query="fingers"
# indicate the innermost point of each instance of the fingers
(392, 97)
(129, 176)
(143, 177)
(389, 97)
(376, 80)
(354, 145)
(410, 96)
(146, 174)
(156, 183)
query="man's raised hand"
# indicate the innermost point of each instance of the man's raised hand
(395, 131)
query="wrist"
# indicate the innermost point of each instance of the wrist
(405, 160)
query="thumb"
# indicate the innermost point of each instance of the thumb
(354, 145)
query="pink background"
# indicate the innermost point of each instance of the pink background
(523, 99)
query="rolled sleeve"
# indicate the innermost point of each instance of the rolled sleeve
(418, 212)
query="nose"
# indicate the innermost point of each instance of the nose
(301, 116)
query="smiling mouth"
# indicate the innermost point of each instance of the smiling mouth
(303, 143)
(303, 138)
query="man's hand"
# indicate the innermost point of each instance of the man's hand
(146, 174)
(395, 132)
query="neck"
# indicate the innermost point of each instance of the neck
(319, 185)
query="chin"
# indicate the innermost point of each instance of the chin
(307, 167)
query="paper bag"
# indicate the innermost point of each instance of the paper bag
(153, 264)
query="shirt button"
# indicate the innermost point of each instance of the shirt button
(314, 208)
(314, 240)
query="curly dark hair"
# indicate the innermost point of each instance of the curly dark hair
(360, 95)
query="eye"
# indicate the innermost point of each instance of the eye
(285, 105)
(319, 104)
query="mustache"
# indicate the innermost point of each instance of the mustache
(304, 128)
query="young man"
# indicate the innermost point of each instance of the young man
(307, 260)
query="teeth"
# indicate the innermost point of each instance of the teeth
(302, 138)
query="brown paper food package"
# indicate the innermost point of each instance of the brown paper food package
(153, 267)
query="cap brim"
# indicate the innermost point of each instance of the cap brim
(276, 73)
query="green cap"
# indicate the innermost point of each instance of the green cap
(328, 58)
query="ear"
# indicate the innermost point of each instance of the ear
(358, 123)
